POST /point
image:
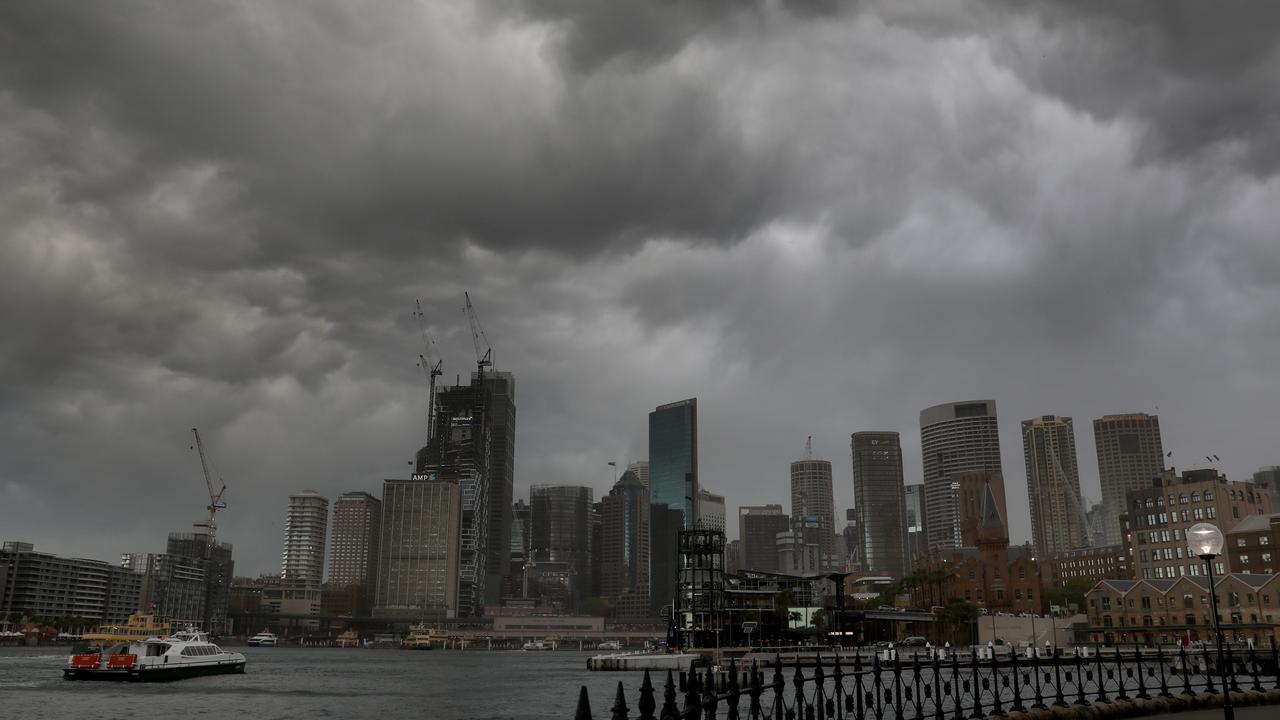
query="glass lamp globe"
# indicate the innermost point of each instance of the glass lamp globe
(1204, 539)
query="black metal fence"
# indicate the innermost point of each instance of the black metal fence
(940, 687)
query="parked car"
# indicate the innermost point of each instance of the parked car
(914, 641)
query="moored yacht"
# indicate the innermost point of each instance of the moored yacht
(263, 639)
(183, 654)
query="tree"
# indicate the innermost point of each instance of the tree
(782, 603)
(1071, 593)
(958, 612)
(819, 621)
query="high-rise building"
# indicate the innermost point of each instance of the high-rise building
(1130, 456)
(353, 548)
(641, 470)
(419, 550)
(710, 510)
(624, 546)
(217, 570)
(879, 502)
(913, 519)
(758, 528)
(461, 451)
(1270, 478)
(1053, 485)
(851, 539)
(955, 437)
(500, 395)
(1095, 520)
(516, 583)
(305, 525)
(811, 496)
(971, 495)
(172, 585)
(1160, 514)
(673, 488)
(560, 532)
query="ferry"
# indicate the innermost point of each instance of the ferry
(184, 654)
(141, 626)
(421, 637)
(348, 638)
(263, 639)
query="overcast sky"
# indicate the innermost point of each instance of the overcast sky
(816, 217)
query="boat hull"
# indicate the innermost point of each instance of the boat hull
(156, 674)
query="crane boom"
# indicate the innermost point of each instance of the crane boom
(484, 359)
(216, 502)
(430, 367)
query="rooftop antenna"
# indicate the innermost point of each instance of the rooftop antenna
(808, 448)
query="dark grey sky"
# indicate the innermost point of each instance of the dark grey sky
(817, 217)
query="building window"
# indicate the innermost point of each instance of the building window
(1266, 557)
(1244, 559)
(1182, 499)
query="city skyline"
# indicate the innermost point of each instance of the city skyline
(817, 222)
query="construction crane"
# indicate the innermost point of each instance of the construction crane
(431, 367)
(216, 502)
(484, 359)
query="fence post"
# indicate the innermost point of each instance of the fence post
(820, 688)
(779, 686)
(1209, 686)
(1102, 683)
(619, 705)
(583, 712)
(1231, 671)
(857, 683)
(709, 698)
(691, 696)
(1122, 694)
(977, 688)
(1017, 691)
(1186, 676)
(915, 672)
(757, 688)
(1164, 684)
(1035, 668)
(1253, 662)
(669, 709)
(797, 681)
(897, 686)
(937, 686)
(1275, 660)
(996, 707)
(731, 698)
(1061, 701)
(955, 681)
(1142, 685)
(646, 703)
(1080, 698)
(838, 691)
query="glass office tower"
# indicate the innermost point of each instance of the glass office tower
(673, 490)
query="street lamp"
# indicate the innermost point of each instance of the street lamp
(1205, 541)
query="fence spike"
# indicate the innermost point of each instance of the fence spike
(619, 705)
(584, 706)
(647, 703)
(669, 709)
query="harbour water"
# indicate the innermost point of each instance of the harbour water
(322, 683)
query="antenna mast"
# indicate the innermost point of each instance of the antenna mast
(430, 367)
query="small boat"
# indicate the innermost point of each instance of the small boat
(184, 654)
(609, 645)
(348, 638)
(539, 645)
(141, 626)
(263, 639)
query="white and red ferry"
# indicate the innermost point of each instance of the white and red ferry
(184, 654)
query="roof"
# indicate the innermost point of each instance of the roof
(990, 511)
(1254, 523)
(1122, 586)
(1253, 580)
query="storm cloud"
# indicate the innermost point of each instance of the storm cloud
(818, 218)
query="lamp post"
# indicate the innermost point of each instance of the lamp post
(1205, 541)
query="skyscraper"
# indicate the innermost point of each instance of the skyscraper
(710, 510)
(954, 437)
(811, 498)
(641, 470)
(1130, 457)
(214, 561)
(879, 501)
(460, 451)
(913, 519)
(353, 548)
(1269, 477)
(624, 546)
(420, 547)
(500, 395)
(673, 490)
(758, 528)
(560, 532)
(1053, 485)
(305, 526)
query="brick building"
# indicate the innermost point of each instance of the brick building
(1110, 562)
(1252, 544)
(990, 574)
(1159, 515)
(1164, 611)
